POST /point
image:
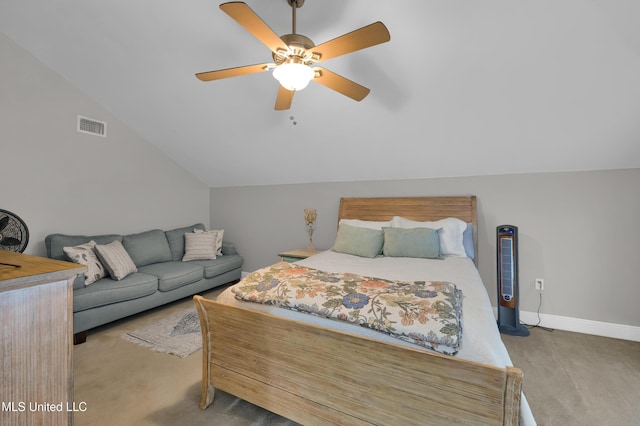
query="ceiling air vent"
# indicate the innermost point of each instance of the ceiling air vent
(91, 126)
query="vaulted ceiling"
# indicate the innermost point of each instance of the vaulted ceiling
(463, 88)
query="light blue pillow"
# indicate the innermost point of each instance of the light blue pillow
(358, 241)
(467, 241)
(413, 242)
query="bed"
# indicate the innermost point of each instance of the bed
(319, 371)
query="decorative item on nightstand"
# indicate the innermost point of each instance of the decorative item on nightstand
(310, 219)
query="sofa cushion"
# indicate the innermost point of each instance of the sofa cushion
(172, 275)
(175, 237)
(222, 264)
(55, 243)
(147, 247)
(107, 291)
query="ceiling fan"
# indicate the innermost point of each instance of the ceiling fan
(295, 55)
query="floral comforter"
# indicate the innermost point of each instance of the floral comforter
(425, 313)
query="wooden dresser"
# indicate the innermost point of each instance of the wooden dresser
(36, 335)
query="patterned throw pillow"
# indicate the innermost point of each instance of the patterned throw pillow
(199, 246)
(116, 260)
(84, 255)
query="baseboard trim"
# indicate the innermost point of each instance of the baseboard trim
(579, 325)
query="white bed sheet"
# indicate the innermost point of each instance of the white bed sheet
(481, 340)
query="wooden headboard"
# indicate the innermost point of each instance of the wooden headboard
(414, 208)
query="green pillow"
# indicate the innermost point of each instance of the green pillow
(358, 241)
(414, 242)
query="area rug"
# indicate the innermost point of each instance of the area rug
(178, 334)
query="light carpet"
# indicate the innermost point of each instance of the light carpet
(178, 334)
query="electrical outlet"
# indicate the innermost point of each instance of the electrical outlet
(539, 284)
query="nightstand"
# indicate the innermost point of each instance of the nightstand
(295, 255)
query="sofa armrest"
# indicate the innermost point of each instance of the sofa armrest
(228, 248)
(78, 283)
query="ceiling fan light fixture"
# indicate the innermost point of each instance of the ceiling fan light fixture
(296, 57)
(293, 76)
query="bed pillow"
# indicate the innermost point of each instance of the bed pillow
(467, 241)
(116, 260)
(370, 224)
(84, 255)
(451, 233)
(414, 242)
(200, 245)
(363, 242)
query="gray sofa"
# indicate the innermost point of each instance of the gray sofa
(162, 276)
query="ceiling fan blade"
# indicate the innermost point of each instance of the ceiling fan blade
(246, 17)
(232, 72)
(340, 84)
(284, 99)
(362, 38)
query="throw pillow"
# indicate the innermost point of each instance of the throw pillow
(363, 242)
(414, 242)
(199, 246)
(84, 255)
(219, 242)
(175, 237)
(219, 234)
(116, 260)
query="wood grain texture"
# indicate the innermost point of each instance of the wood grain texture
(33, 270)
(36, 334)
(314, 375)
(414, 208)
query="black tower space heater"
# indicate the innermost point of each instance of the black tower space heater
(508, 286)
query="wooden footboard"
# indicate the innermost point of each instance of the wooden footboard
(314, 375)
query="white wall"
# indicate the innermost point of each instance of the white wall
(59, 180)
(579, 231)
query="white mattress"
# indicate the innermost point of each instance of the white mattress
(481, 340)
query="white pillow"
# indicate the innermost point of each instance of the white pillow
(219, 234)
(219, 241)
(199, 246)
(369, 224)
(116, 260)
(451, 233)
(84, 255)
